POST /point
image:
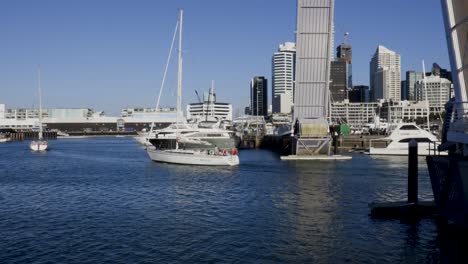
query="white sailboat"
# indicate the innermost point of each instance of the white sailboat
(193, 156)
(40, 144)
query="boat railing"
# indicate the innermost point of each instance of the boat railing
(434, 148)
(459, 117)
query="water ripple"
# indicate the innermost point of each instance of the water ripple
(103, 200)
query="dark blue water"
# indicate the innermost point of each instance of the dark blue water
(103, 201)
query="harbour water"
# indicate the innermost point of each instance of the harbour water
(101, 200)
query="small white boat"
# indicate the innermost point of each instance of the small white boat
(4, 139)
(39, 145)
(397, 142)
(194, 157)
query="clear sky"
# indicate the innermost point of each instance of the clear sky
(110, 54)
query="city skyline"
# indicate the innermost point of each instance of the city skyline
(110, 55)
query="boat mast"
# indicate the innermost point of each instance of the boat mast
(179, 67)
(40, 101)
(427, 97)
(212, 98)
(179, 78)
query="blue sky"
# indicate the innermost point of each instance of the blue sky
(110, 54)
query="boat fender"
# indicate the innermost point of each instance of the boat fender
(224, 152)
(234, 151)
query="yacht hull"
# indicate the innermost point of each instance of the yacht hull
(403, 151)
(191, 158)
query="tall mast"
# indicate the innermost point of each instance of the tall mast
(179, 68)
(211, 97)
(179, 78)
(40, 100)
(427, 97)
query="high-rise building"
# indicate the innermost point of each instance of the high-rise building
(283, 72)
(412, 77)
(439, 71)
(344, 53)
(385, 74)
(359, 94)
(259, 96)
(434, 89)
(338, 81)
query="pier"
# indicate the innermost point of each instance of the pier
(27, 135)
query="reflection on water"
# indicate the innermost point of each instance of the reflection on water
(103, 200)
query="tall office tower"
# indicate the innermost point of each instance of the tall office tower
(259, 96)
(313, 40)
(344, 53)
(439, 71)
(359, 94)
(385, 74)
(435, 90)
(283, 71)
(403, 90)
(338, 81)
(412, 77)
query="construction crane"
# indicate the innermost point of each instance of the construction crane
(198, 96)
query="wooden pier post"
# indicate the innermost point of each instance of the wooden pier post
(413, 171)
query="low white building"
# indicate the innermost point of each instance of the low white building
(359, 114)
(354, 114)
(209, 107)
(438, 92)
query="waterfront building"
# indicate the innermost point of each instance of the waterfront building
(412, 77)
(283, 72)
(385, 74)
(144, 111)
(356, 115)
(259, 96)
(338, 81)
(402, 111)
(436, 90)
(81, 119)
(359, 94)
(209, 107)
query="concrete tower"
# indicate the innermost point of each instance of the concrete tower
(283, 78)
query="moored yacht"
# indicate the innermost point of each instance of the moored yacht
(40, 144)
(187, 134)
(396, 143)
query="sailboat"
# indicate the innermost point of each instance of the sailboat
(40, 144)
(213, 157)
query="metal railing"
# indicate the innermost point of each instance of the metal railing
(459, 117)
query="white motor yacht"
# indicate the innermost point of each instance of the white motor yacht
(397, 142)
